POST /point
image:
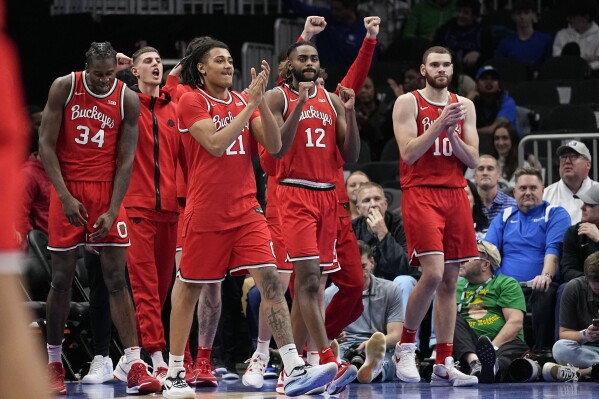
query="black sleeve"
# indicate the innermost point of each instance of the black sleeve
(570, 264)
(393, 257)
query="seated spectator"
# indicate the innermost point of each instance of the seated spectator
(465, 36)
(574, 167)
(529, 237)
(370, 116)
(382, 230)
(427, 16)
(412, 80)
(581, 239)
(505, 150)
(369, 342)
(577, 350)
(488, 333)
(481, 222)
(487, 176)
(582, 31)
(493, 105)
(526, 45)
(35, 203)
(352, 184)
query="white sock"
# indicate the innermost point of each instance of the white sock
(290, 357)
(157, 359)
(313, 358)
(262, 347)
(54, 353)
(133, 354)
(174, 364)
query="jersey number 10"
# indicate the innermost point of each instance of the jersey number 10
(447, 150)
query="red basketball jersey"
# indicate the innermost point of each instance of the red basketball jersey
(313, 156)
(437, 166)
(221, 191)
(88, 137)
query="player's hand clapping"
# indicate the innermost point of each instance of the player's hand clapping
(258, 84)
(451, 115)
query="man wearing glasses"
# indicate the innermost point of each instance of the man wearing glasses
(574, 167)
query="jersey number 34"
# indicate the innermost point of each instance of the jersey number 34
(84, 138)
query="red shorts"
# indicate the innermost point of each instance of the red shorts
(210, 254)
(95, 197)
(438, 221)
(309, 223)
(283, 266)
(180, 228)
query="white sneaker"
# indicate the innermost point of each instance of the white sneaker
(122, 369)
(375, 353)
(176, 387)
(448, 375)
(254, 374)
(304, 379)
(161, 372)
(100, 371)
(557, 372)
(405, 363)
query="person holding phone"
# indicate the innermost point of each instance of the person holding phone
(577, 351)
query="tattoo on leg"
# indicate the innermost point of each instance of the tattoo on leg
(209, 315)
(271, 286)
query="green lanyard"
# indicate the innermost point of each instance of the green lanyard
(471, 297)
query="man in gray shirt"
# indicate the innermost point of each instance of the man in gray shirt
(378, 329)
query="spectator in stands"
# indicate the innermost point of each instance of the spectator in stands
(574, 166)
(577, 350)
(339, 43)
(369, 341)
(382, 230)
(529, 237)
(392, 13)
(487, 176)
(352, 184)
(371, 115)
(412, 80)
(481, 222)
(427, 16)
(493, 105)
(582, 31)
(581, 239)
(491, 308)
(505, 150)
(33, 213)
(465, 36)
(526, 45)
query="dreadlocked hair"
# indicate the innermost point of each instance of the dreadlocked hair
(285, 72)
(100, 51)
(189, 71)
(195, 42)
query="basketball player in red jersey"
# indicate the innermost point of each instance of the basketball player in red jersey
(224, 228)
(21, 371)
(346, 307)
(319, 132)
(87, 144)
(436, 134)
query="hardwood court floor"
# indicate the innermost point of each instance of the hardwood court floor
(391, 390)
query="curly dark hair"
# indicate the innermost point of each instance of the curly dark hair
(189, 72)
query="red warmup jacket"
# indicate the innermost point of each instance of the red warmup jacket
(153, 179)
(36, 197)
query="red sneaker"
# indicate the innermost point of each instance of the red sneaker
(56, 374)
(203, 373)
(190, 376)
(139, 381)
(346, 374)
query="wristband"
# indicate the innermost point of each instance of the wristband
(583, 333)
